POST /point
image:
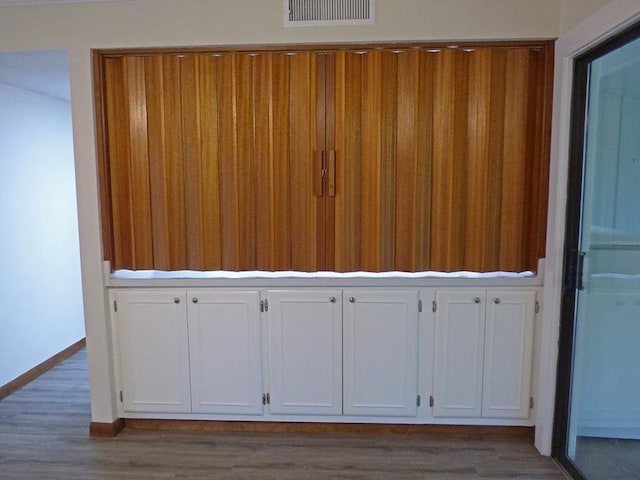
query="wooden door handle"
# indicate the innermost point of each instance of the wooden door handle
(331, 177)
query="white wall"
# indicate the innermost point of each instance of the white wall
(40, 285)
(80, 27)
(575, 11)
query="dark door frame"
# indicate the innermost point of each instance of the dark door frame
(575, 177)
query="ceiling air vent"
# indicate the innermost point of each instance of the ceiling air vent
(314, 13)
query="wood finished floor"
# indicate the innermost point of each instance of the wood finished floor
(44, 435)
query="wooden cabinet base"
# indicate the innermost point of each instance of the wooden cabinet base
(332, 428)
(99, 429)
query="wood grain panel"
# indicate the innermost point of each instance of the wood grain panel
(193, 161)
(390, 96)
(368, 206)
(262, 86)
(442, 158)
(329, 124)
(302, 143)
(139, 163)
(460, 169)
(200, 153)
(491, 253)
(162, 74)
(348, 135)
(209, 178)
(542, 70)
(424, 148)
(228, 166)
(407, 161)
(281, 231)
(514, 159)
(117, 120)
(478, 159)
(245, 163)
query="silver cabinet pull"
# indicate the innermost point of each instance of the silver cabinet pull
(352, 299)
(194, 299)
(476, 299)
(176, 300)
(496, 300)
(332, 299)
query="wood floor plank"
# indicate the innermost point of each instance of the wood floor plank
(44, 434)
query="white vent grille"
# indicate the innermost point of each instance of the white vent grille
(306, 13)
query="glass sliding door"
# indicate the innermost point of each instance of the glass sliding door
(597, 432)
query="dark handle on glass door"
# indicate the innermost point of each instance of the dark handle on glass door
(580, 270)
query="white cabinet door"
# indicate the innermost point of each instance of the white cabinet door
(224, 346)
(508, 353)
(459, 342)
(153, 350)
(380, 352)
(305, 351)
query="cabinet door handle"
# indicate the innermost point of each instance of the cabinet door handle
(496, 300)
(352, 299)
(176, 300)
(476, 300)
(332, 299)
(194, 299)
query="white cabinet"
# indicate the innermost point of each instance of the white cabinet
(224, 349)
(483, 353)
(344, 354)
(305, 351)
(508, 354)
(459, 341)
(153, 351)
(380, 352)
(189, 351)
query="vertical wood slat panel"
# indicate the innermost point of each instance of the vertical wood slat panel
(129, 163)
(209, 169)
(193, 161)
(117, 120)
(408, 166)
(139, 163)
(348, 141)
(245, 163)
(368, 207)
(491, 253)
(513, 173)
(302, 141)
(166, 161)
(443, 159)
(264, 159)
(320, 149)
(425, 158)
(460, 170)
(489, 95)
(200, 133)
(388, 147)
(478, 160)
(281, 187)
(230, 239)
(329, 123)
(542, 103)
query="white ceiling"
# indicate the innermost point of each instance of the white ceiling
(45, 72)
